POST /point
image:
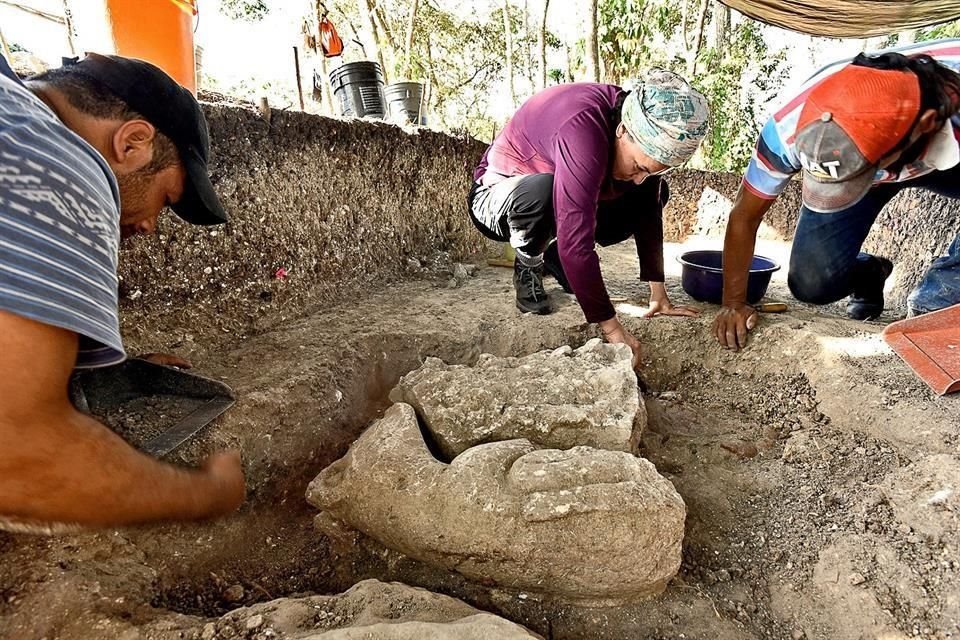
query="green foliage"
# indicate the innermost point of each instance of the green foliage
(246, 10)
(738, 76)
(739, 79)
(463, 60)
(632, 35)
(461, 57)
(945, 30)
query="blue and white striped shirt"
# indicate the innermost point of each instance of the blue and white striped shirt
(59, 226)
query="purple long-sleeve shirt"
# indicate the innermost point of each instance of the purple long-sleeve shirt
(565, 130)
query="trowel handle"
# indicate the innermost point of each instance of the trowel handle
(771, 307)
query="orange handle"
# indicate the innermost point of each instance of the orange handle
(771, 307)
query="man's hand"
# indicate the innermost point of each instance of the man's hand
(614, 333)
(732, 324)
(58, 465)
(736, 317)
(167, 359)
(226, 489)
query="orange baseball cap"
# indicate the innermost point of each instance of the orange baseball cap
(849, 123)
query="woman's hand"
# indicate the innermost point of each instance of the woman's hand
(660, 304)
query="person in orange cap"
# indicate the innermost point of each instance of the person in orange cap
(859, 132)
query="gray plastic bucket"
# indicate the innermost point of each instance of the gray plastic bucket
(405, 102)
(359, 89)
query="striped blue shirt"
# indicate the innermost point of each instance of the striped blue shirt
(59, 226)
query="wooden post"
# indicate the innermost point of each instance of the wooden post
(296, 66)
(265, 112)
(69, 24)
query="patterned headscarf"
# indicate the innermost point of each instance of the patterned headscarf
(666, 116)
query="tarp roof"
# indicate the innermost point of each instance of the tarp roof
(849, 18)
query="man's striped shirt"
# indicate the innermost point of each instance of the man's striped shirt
(775, 158)
(59, 225)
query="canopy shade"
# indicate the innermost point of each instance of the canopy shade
(848, 18)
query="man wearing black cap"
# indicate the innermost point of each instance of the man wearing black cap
(89, 153)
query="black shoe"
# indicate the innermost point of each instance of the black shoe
(528, 281)
(553, 266)
(866, 301)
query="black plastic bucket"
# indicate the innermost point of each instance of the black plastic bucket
(405, 102)
(359, 89)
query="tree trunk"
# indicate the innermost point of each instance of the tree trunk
(684, 20)
(508, 41)
(592, 55)
(408, 47)
(694, 51)
(527, 58)
(907, 37)
(433, 103)
(367, 11)
(384, 27)
(720, 35)
(542, 45)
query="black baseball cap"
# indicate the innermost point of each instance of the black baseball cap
(174, 111)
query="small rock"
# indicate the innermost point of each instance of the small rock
(463, 271)
(460, 272)
(453, 283)
(254, 622)
(798, 634)
(234, 593)
(208, 270)
(723, 575)
(798, 448)
(741, 448)
(413, 263)
(856, 578)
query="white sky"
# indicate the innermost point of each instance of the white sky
(235, 52)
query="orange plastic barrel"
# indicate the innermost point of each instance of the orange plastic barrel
(158, 31)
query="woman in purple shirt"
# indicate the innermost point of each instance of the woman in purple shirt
(577, 165)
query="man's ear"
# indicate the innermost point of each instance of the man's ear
(132, 146)
(928, 122)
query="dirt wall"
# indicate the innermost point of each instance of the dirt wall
(339, 205)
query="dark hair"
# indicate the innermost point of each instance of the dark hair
(939, 85)
(88, 95)
(616, 113)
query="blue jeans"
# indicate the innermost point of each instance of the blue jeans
(826, 263)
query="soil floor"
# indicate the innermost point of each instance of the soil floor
(820, 476)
